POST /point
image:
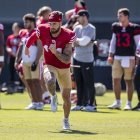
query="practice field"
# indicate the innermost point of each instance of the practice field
(19, 124)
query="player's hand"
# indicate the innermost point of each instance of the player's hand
(53, 47)
(110, 60)
(33, 66)
(76, 43)
(138, 52)
(27, 52)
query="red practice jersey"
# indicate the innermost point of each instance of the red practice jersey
(41, 21)
(13, 42)
(65, 37)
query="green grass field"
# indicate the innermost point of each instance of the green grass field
(19, 124)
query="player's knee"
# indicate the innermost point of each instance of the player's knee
(51, 84)
(66, 94)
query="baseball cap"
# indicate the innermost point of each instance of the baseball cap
(83, 13)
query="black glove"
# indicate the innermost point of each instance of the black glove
(33, 66)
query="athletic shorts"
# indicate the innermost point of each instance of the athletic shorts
(118, 71)
(28, 74)
(63, 76)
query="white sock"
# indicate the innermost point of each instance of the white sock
(118, 101)
(128, 103)
(66, 119)
(54, 95)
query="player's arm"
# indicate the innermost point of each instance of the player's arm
(64, 57)
(112, 47)
(39, 52)
(31, 40)
(1, 48)
(136, 34)
(86, 39)
(18, 55)
(8, 48)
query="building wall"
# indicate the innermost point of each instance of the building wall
(100, 10)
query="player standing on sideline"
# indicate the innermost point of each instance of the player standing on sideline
(57, 42)
(122, 56)
(79, 5)
(1, 49)
(12, 45)
(43, 15)
(42, 18)
(30, 64)
(137, 77)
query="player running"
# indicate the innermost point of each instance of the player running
(57, 42)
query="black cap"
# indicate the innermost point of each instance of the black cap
(83, 13)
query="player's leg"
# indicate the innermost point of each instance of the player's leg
(117, 73)
(88, 77)
(37, 87)
(0, 93)
(50, 74)
(21, 76)
(11, 76)
(137, 86)
(129, 90)
(45, 92)
(128, 76)
(80, 87)
(27, 76)
(64, 80)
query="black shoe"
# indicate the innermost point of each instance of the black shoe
(137, 108)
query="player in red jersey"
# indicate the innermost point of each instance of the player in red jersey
(42, 18)
(79, 5)
(30, 64)
(43, 15)
(1, 49)
(12, 45)
(57, 42)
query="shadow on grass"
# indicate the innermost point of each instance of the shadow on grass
(17, 109)
(105, 112)
(12, 109)
(75, 132)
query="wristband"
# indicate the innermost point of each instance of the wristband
(1, 58)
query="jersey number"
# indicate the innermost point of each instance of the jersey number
(126, 40)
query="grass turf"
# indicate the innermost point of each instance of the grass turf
(19, 124)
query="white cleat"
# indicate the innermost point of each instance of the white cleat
(31, 106)
(115, 105)
(89, 108)
(128, 107)
(54, 103)
(39, 106)
(66, 125)
(76, 108)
